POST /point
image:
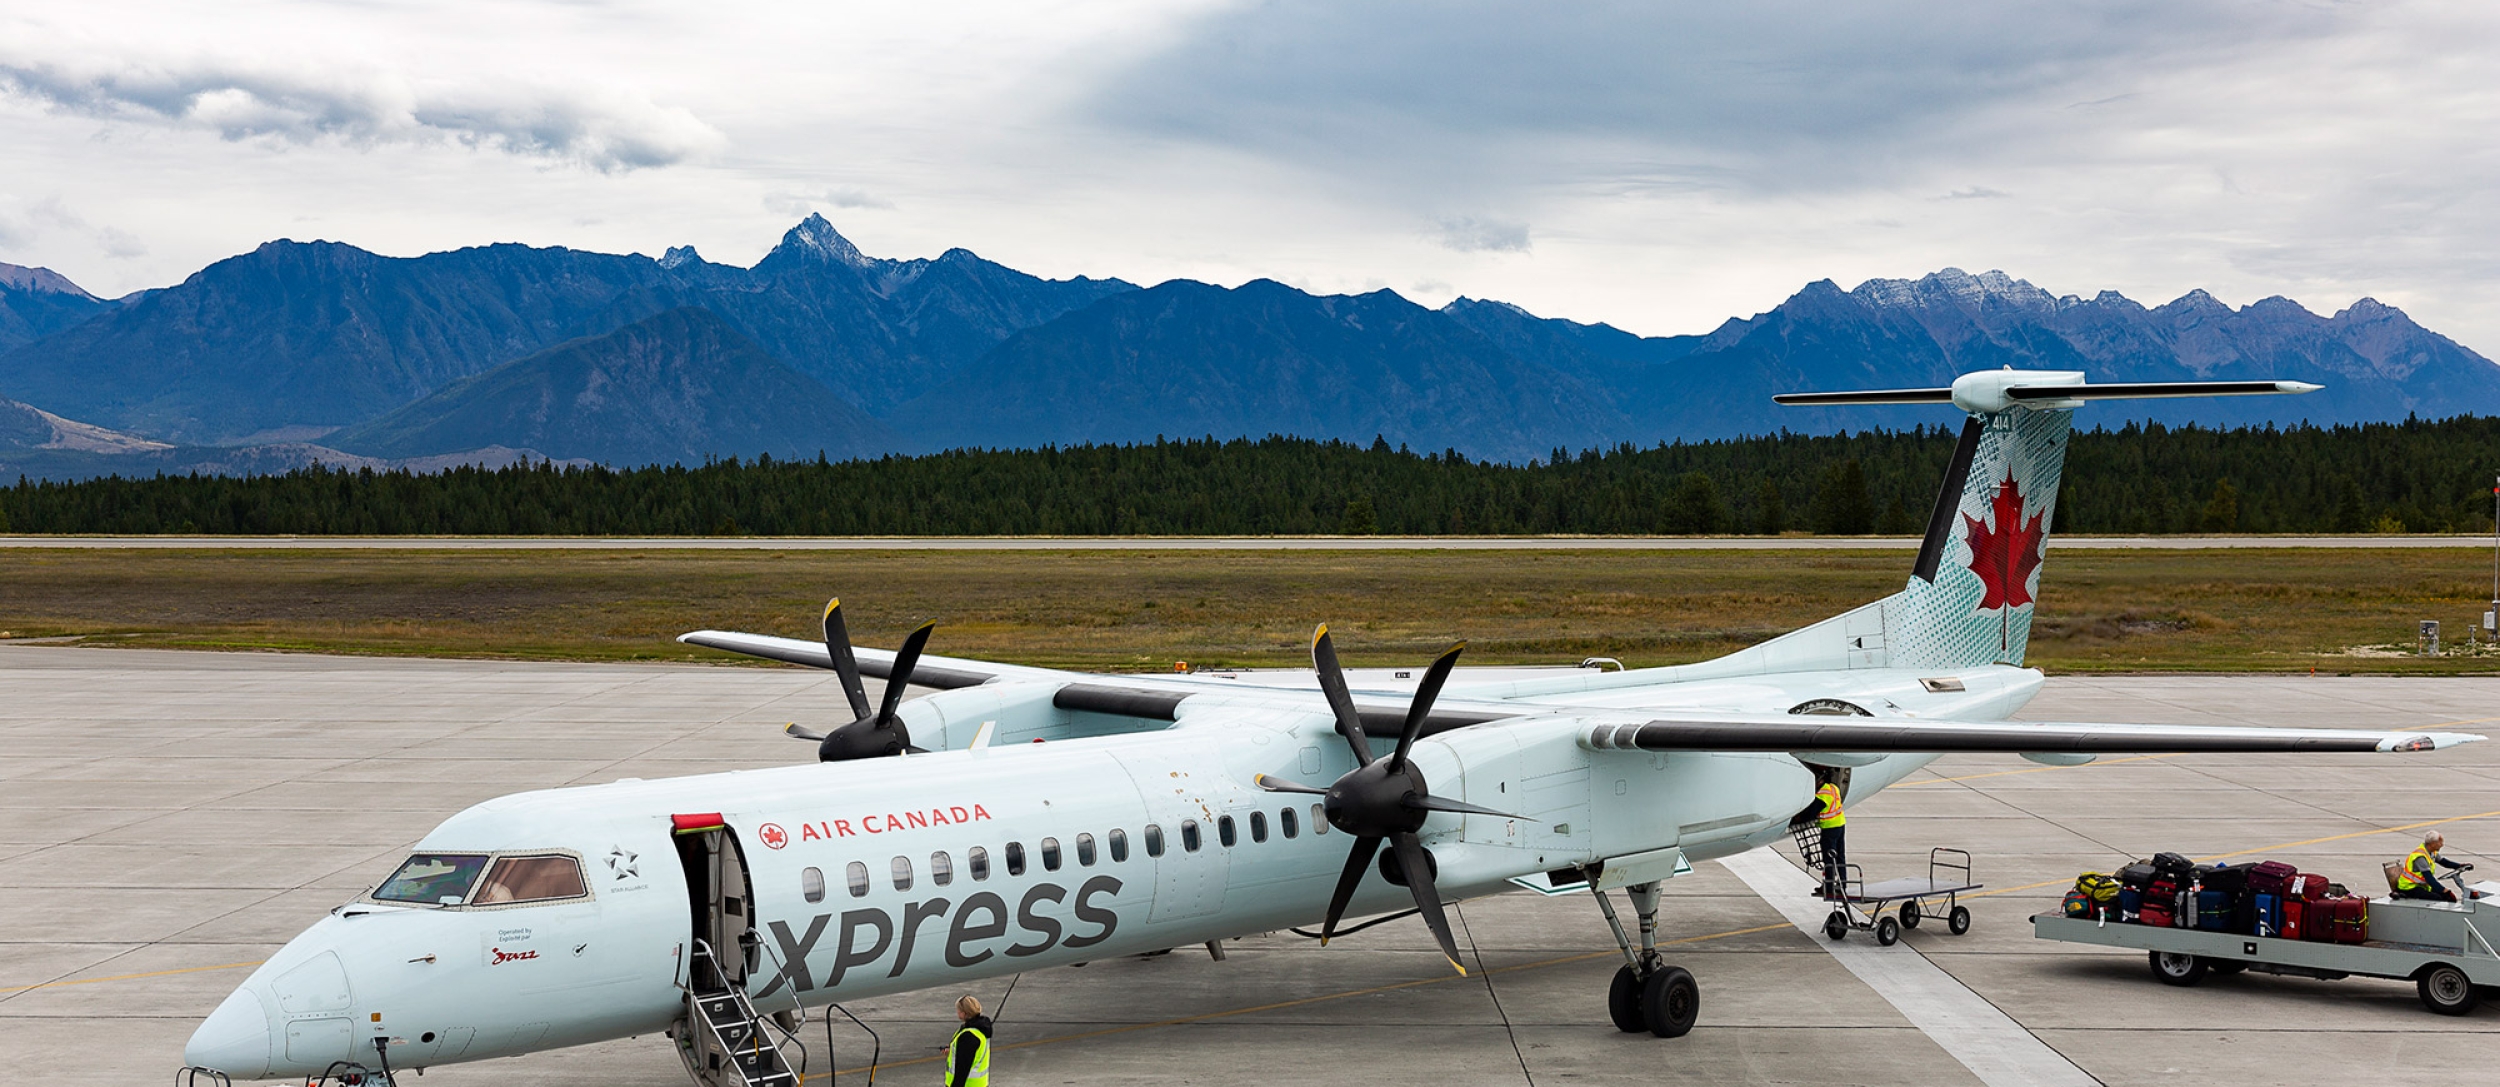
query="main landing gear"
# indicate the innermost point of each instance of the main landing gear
(1648, 994)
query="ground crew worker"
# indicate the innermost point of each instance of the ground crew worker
(2420, 879)
(968, 1052)
(1834, 824)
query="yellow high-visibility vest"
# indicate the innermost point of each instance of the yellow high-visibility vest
(1831, 816)
(2406, 880)
(980, 1076)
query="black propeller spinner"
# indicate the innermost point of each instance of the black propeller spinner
(869, 735)
(1384, 798)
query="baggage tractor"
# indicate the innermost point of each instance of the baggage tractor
(2213, 911)
(2270, 877)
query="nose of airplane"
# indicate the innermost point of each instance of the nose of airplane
(234, 1039)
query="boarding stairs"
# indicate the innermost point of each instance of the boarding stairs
(722, 1039)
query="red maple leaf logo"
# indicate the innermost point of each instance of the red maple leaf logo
(2005, 556)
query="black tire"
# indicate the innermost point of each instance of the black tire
(1623, 1001)
(1887, 932)
(1910, 915)
(2445, 989)
(1958, 922)
(1670, 1002)
(1836, 926)
(2174, 968)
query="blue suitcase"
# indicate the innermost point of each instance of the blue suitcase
(2269, 915)
(2213, 911)
(2130, 904)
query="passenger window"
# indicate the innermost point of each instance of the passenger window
(1319, 819)
(1189, 835)
(1015, 858)
(1258, 826)
(1085, 850)
(902, 873)
(857, 876)
(812, 884)
(1154, 839)
(532, 879)
(1224, 830)
(941, 869)
(1287, 822)
(434, 879)
(979, 859)
(1050, 854)
(1119, 845)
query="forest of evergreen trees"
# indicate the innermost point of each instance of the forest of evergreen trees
(2413, 476)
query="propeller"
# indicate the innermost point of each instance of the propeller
(870, 734)
(1382, 799)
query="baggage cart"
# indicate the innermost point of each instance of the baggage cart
(2447, 949)
(1859, 905)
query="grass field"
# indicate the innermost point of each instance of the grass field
(2101, 611)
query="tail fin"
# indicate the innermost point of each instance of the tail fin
(1970, 597)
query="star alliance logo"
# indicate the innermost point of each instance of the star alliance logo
(621, 861)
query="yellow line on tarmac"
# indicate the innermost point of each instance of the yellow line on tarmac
(1317, 999)
(130, 977)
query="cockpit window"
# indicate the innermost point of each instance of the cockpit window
(434, 879)
(531, 879)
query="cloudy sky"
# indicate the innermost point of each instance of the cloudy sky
(1659, 166)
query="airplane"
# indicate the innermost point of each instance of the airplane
(1020, 818)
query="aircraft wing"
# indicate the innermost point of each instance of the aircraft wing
(1790, 732)
(941, 673)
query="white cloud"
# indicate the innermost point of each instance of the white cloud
(1468, 234)
(304, 103)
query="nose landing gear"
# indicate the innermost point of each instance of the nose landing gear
(1648, 993)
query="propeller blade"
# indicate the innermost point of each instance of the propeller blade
(808, 734)
(1421, 706)
(905, 659)
(846, 665)
(1280, 785)
(1332, 683)
(1427, 897)
(1437, 803)
(1356, 863)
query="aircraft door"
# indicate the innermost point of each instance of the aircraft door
(720, 900)
(1181, 809)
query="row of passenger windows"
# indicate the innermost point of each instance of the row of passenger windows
(977, 860)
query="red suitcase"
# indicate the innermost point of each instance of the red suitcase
(2292, 911)
(2307, 885)
(2339, 920)
(2270, 877)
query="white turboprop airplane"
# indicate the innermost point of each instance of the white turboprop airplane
(938, 843)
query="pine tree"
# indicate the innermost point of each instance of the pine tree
(1840, 506)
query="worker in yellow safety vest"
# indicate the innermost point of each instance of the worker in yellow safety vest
(2419, 877)
(1834, 824)
(968, 1052)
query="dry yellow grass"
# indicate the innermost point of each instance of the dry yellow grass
(2101, 610)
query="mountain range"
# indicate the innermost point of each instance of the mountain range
(321, 350)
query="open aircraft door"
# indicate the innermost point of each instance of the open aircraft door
(720, 900)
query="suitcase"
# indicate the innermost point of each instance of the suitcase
(2270, 877)
(2269, 915)
(2077, 904)
(2177, 867)
(2138, 875)
(2295, 910)
(2155, 912)
(2130, 904)
(2307, 886)
(2213, 911)
(2100, 888)
(2223, 878)
(2340, 920)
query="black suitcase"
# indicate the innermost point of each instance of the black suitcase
(2138, 875)
(2175, 866)
(2232, 881)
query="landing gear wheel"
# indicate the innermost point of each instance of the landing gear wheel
(2173, 968)
(2446, 990)
(1623, 1001)
(1909, 915)
(1887, 932)
(1958, 922)
(1670, 1001)
(1836, 926)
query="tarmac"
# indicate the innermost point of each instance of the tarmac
(167, 819)
(1187, 543)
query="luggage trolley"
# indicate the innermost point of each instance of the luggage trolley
(1857, 905)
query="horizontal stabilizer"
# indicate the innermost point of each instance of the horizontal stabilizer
(2154, 390)
(1989, 391)
(1785, 732)
(1868, 396)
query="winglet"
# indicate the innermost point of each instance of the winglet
(2428, 741)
